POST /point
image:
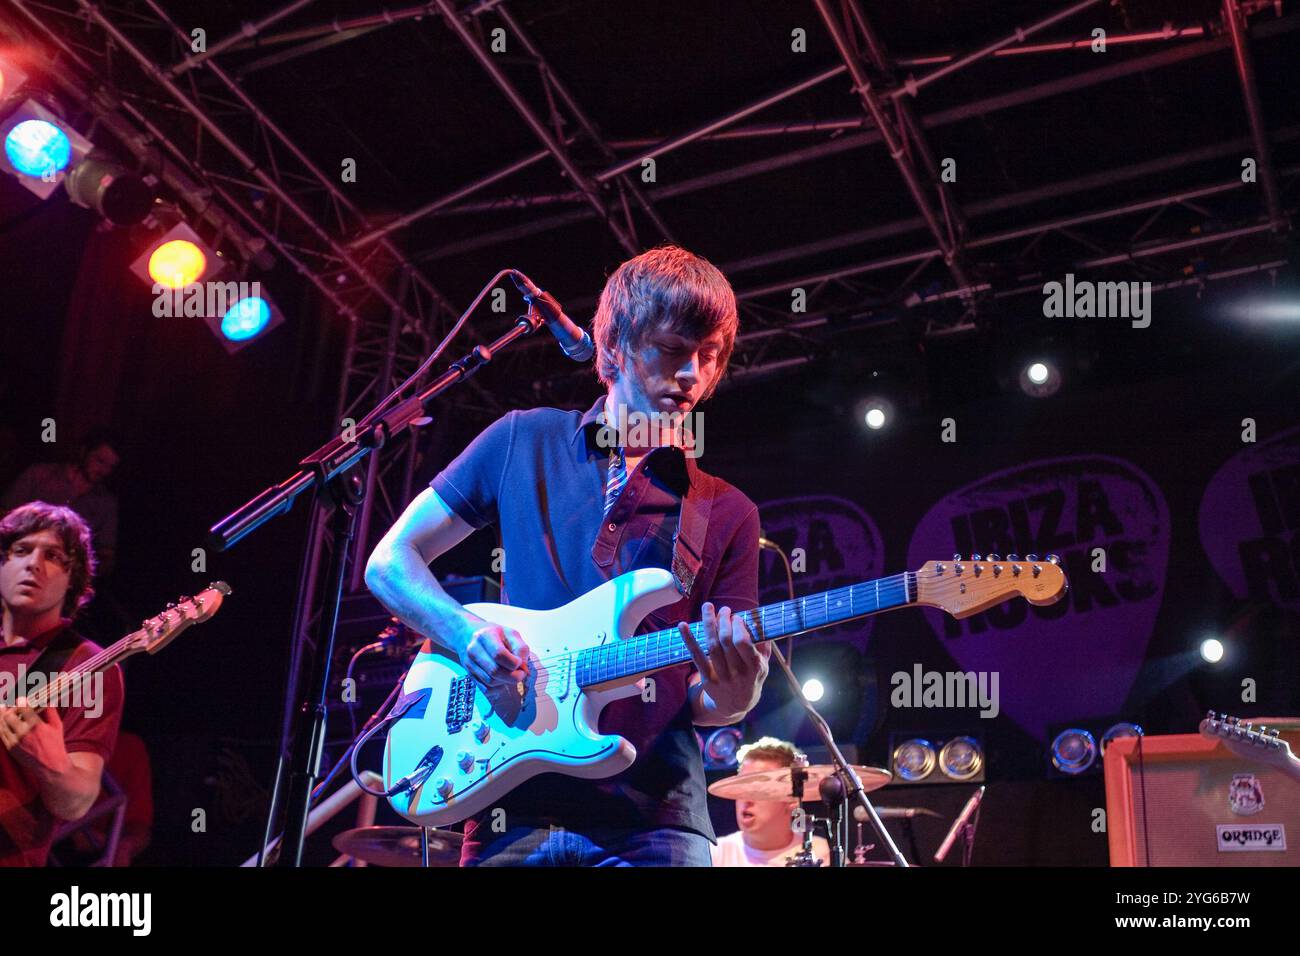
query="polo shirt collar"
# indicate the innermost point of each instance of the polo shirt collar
(674, 459)
(41, 640)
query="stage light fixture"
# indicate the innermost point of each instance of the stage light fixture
(109, 189)
(1073, 751)
(1040, 379)
(961, 759)
(813, 689)
(914, 760)
(12, 77)
(251, 314)
(1212, 650)
(720, 748)
(178, 258)
(39, 148)
(1116, 731)
(876, 412)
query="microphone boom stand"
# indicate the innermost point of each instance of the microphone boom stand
(338, 492)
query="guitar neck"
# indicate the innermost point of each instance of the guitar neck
(657, 650)
(53, 691)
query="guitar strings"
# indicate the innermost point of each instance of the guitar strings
(893, 588)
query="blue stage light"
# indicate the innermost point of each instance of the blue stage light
(245, 319)
(36, 147)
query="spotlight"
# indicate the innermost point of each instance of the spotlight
(875, 412)
(1040, 378)
(111, 190)
(913, 760)
(720, 748)
(1212, 650)
(1116, 731)
(961, 759)
(176, 259)
(12, 77)
(241, 314)
(39, 147)
(1073, 751)
(813, 690)
(1270, 310)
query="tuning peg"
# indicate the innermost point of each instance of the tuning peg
(994, 557)
(1055, 559)
(1031, 557)
(170, 606)
(956, 557)
(1013, 557)
(184, 599)
(976, 557)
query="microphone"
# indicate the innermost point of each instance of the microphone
(957, 825)
(575, 341)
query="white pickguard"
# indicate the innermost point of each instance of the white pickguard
(549, 726)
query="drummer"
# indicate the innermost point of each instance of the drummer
(766, 836)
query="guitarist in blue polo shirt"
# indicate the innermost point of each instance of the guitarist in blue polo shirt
(581, 498)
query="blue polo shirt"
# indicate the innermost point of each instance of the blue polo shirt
(540, 474)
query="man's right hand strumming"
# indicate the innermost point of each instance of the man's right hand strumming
(495, 655)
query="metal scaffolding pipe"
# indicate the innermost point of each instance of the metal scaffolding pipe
(247, 32)
(330, 187)
(981, 107)
(897, 151)
(576, 175)
(912, 86)
(1235, 21)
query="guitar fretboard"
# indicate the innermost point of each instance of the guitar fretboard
(659, 649)
(52, 693)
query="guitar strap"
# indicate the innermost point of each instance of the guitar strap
(56, 653)
(692, 523)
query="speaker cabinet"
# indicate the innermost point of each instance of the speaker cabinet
(1170, 802)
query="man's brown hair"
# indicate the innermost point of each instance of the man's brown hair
(768, 748)
(670, 287)
(75, 536)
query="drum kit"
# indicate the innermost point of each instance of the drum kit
(426, 847)
(811, 784)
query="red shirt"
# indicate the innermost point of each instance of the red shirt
(26, 825)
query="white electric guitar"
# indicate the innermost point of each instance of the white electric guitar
(1243, 740)
(456, 749)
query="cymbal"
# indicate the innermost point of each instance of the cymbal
(775, 784)
(399, 846)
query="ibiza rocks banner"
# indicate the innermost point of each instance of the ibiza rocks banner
(1079, 657)
(1250, 521)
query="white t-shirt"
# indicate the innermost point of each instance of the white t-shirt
(732, 850)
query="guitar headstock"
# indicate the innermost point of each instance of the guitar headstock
(964, 587)
(1244, 740)
(159, 631)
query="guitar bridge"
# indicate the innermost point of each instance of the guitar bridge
(460, 704)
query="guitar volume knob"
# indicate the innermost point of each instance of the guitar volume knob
(481, 731)
(465, 759)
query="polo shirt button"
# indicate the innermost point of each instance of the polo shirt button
(611, 527)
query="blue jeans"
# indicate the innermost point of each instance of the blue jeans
(597, 846)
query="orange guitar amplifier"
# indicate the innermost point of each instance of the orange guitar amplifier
(1186, 800)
